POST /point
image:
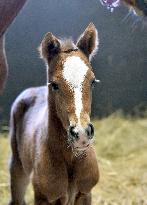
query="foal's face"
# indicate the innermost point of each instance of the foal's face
(71, 88)
(70, 81)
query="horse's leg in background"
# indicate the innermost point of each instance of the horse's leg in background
(8, 11)
(3, 64)
(83, 199)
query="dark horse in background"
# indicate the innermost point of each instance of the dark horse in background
(8, 11)
(10, 8)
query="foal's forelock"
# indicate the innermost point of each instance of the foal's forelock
(74, 73)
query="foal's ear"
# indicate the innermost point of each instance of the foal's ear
(50, 46)
(88, 42)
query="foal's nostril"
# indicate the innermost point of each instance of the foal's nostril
(73, 133)
(90, 130)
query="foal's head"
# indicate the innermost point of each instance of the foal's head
(70, 82)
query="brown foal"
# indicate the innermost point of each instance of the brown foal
(50, 129)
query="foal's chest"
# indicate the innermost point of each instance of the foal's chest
(72, 185)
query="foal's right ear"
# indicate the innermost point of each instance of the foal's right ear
(50, 46)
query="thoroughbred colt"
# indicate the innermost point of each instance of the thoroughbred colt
(50, 129)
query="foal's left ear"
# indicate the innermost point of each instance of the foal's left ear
(50, 46)
(88, 42)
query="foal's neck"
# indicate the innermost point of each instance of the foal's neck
(57, 139)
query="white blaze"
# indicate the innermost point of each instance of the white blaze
(74, 72)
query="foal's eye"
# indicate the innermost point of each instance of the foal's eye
(93, 83)
(55, 86)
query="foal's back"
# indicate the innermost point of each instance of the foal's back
(28, 115)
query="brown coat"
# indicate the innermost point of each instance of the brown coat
(39, 133)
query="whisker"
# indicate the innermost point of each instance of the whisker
(134, 25)
(144, 23)
(127, 16)
(97, 81)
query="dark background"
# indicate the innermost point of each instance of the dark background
(121, 63)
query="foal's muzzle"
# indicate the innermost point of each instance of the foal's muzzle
(89, 131)
(81, 137)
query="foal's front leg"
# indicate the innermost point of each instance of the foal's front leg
(39, 200)
(83, 199)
